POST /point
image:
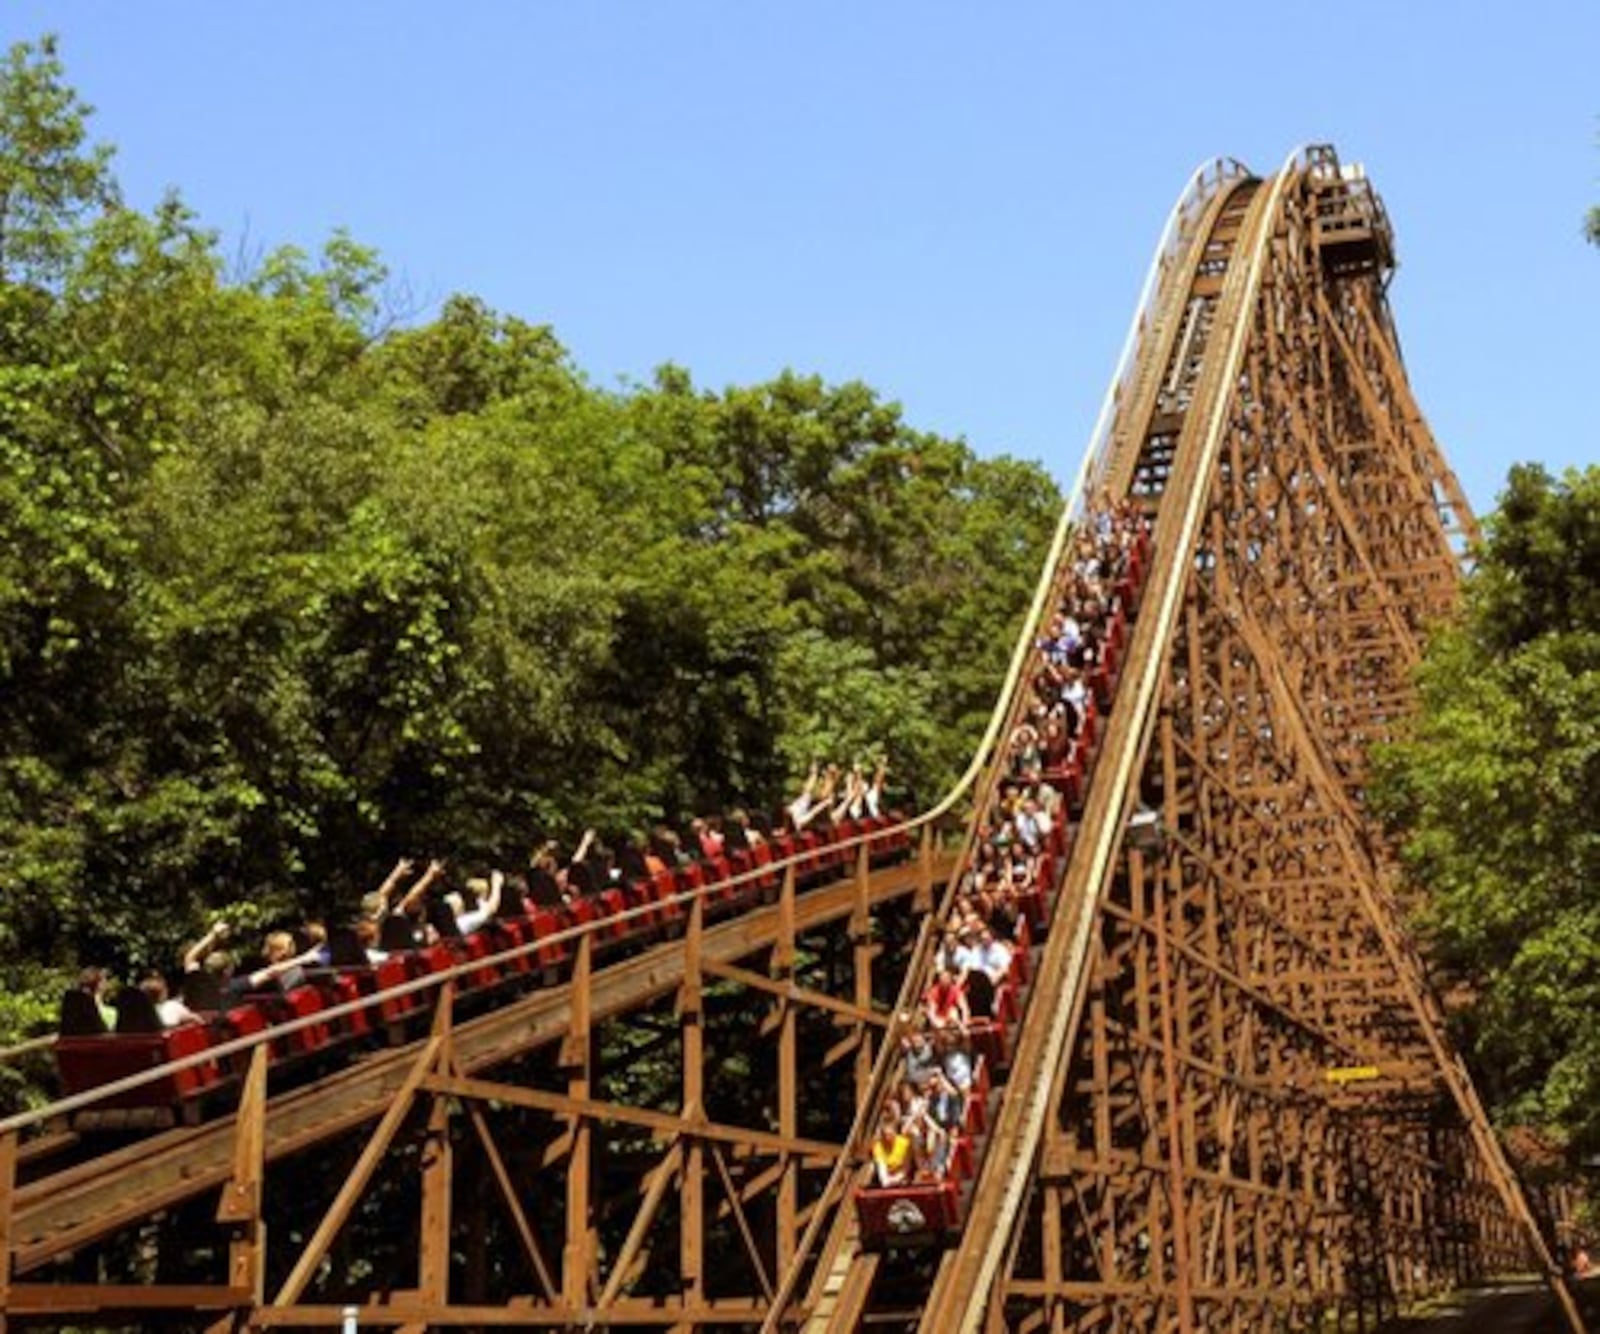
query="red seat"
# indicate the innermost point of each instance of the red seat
(811, 843)
(1116, 634)
(610, 904)
(641, 894)
(740, 861)
(436, 958)
(1067, 779)
(842, 855)
(510, 933)
(897, 1213)
(976, 1121)
(962, 1165)
(342, 989)
(547, 922)
(392, 972)
(1089, 728)
(1031, 902)
(1100, 682)
(300, 1003)
(664, 885)
(717, 870)
(761, 855)
(86, 1063)
(1020, 968)
(469, 948)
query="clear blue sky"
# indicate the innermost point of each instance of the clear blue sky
(952, 202)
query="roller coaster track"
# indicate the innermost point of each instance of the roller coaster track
(1231, 1102)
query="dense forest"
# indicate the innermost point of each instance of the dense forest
(290, 585)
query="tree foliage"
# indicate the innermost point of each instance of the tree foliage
(1495, 795)
(284, 593)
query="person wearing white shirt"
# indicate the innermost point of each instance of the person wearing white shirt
(486, 903)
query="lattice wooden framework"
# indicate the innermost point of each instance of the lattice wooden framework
(1231, 1106)
(1251, 1117)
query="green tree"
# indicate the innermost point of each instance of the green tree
(1494, 797)
(284, 591)
(51, 181)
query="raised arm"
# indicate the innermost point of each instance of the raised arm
(402, 868)
(875, 792)
(583, 847)
(262, 976)
(195, 955)
(424, 883)
(854, 790)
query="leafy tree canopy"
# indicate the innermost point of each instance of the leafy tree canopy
(285, 593)
(1495, 795)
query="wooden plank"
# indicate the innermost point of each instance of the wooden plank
(789, 991)
(371, 1155)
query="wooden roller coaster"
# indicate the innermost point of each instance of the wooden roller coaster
(1221, 1098)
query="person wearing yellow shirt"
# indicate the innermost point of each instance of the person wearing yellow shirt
(891, 1155)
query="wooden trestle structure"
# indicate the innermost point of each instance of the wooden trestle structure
(1231, 1105)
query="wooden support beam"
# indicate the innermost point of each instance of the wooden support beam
(746, 1235)
(661, 1177)
(638, 1314)
(371, 1155)
(669, 1125)
(531, 1250)
(691, 1194)
(438, 1162)
(54, 1301)
(864, 952)
(789, 991)
(578, 1259)
(239, 1207)
(783, 956)
(8, 1195)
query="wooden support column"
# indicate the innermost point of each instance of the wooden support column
(788, 1075)
(865, 950)
(691, 1241)
(922, 902)
(438, 1160)
(239, 1209)
(8, 1195)
(1176, 1183)
(1051, 1241)
(577, 1052)
(355, 1183)
(433, 1234)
